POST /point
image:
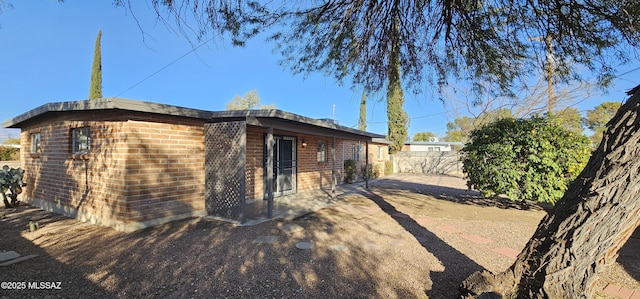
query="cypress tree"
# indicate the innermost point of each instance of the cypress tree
(396, 116)
(95, 89)
(362, 121)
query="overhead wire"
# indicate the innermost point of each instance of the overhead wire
(452, 110)
(376, 122)
(164, 67)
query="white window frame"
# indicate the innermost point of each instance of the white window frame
(80, 140)
(36, 146)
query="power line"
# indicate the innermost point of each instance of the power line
(164, 67)
(633, 70)
(417, 117)
(445, 112)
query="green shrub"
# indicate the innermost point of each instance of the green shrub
(350, 171)
(388, 167)
(368, 172)
(534, 159)
(9, 154)
(11, 180)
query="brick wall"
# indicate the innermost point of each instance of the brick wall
(254, 167)
(311, 173)
(349, 150)
(142, 169)
(378, 154)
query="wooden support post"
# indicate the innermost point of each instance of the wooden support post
(333, 167)
(269, 140)
(366, 165)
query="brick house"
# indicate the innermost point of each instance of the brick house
(131, 164)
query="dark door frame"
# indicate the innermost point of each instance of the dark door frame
(281, 167)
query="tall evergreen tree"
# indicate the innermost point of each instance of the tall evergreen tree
(396, 116)
(362, 121)
(95, 89)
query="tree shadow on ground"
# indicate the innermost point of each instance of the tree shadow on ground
(457, 266)
(205, 258)
(458, 195)
(200, 258)
(44, 267)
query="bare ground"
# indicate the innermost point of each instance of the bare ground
(409, 236)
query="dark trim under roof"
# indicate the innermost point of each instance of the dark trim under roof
(286, 116)
(149, 107)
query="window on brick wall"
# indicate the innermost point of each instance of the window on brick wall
(35, 143)
(322, 151)
(379, 152)
(355, 152)
(81, 141)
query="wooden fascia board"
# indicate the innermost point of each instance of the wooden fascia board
(303, 128)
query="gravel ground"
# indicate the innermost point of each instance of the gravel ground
(407, 237)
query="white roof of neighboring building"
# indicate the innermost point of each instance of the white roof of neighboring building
(440, 143)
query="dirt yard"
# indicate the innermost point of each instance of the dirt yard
(409, 236)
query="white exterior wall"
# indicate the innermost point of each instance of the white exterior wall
(426, 147)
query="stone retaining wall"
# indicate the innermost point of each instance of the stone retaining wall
(427, 162)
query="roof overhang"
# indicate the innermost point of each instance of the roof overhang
(272, 118)
(105, 104)
(382, 141)
(281, 120)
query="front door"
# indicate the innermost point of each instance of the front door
(284, 165)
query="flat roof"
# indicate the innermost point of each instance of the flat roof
(382, 140)
(156, 108)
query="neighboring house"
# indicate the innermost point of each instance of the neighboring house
(131, 164)
(432, 157)
(433, 145)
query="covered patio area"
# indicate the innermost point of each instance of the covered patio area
(294, 205)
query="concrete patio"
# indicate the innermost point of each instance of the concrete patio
(294, 205)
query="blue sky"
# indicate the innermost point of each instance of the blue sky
(46, 51)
